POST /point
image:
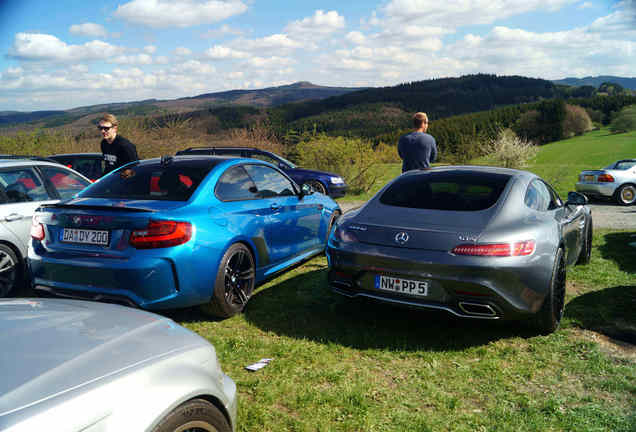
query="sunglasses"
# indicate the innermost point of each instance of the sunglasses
(104, 128)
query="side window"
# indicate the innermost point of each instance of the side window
(235, 185)
(265, 158)
(22, 185)
(537, 196)
(269, 182)
(91, 168)
(65, 182)
(555, 199)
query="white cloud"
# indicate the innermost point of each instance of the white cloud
(182, 52)
(319, 25)
(269, 62)
(150, 49)
(586, 5)
(40, 47)
(220, 52)
(460, 13)
(137, 59)
(275, 42)
(178, 13)
(194, 67)
(356, 37)
(222, 31)
(88, 29)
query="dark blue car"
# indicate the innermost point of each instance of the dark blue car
(321, 181)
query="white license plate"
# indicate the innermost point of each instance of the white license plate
(404, 286)
(84, 236)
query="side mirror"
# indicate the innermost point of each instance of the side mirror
(577, 199)
(306, 189)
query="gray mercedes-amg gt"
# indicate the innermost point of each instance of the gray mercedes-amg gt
(477, 242)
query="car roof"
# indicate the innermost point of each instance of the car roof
(224, 148)
(94, 154)
(476, 169)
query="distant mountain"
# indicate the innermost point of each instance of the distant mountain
(273, 96)
(267, 97)
(628, 83)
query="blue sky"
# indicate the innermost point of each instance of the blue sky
(64, 54)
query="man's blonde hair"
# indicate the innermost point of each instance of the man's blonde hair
(109, 118)
(419, 119)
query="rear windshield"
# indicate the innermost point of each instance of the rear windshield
(456, 191)
(175, 181)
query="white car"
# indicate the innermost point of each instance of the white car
(72, 365)
(25, 184)
(616, 181)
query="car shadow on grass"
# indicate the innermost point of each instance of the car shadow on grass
(617, 248)
(609, 311)
(303, 307)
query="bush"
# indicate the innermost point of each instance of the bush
(510, 151)
(352, 158)
(625, 121)
(576, 122)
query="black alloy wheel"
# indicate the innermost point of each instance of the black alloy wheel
(586, 249)
(234, 282)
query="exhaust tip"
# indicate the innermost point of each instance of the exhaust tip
(477, 309)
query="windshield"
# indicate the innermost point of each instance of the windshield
(175, 181)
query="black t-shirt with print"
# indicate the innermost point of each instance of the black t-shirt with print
(118, 153)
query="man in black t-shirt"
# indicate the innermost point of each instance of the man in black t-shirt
(116, 149)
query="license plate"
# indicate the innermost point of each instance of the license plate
(84, 236)
(403, 286)
(588, 178)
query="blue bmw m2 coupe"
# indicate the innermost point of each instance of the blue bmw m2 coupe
(176, 232)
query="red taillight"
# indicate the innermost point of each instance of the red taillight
(605, 178)
(521, 248)
(37, 229)
(160, 234)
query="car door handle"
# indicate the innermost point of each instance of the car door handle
(13, 217)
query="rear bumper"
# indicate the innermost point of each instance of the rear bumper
(337, 191)
(149, 283)
(466, 287)
(601, 190)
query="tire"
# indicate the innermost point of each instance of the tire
(586, 249)
(548, 318)
(234, 282)
(626, 194)
(196, 415)
(11, 271)
(317, 186)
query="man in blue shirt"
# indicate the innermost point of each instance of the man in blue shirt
(417, 149)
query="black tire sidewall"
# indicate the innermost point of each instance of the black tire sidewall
(548, 318)
(619, 191)
(219, 305)
(18, 272)
(193, 410)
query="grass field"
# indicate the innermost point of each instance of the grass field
(342, 365)
(559, 163)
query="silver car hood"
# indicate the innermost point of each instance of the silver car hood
(52, 346)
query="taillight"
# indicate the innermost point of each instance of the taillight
(521, 248)
(605, 178)
(160, 234)
(37, 229)
(342, 234)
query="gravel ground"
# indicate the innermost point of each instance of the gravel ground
(604, 214)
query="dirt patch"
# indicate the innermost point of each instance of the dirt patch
(612, 347)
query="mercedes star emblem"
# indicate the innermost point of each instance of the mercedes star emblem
(401, 237)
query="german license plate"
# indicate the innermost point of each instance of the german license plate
(588, 178)
(403, 286)
(85, 236)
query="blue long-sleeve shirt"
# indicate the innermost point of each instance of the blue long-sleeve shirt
(417, 150)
